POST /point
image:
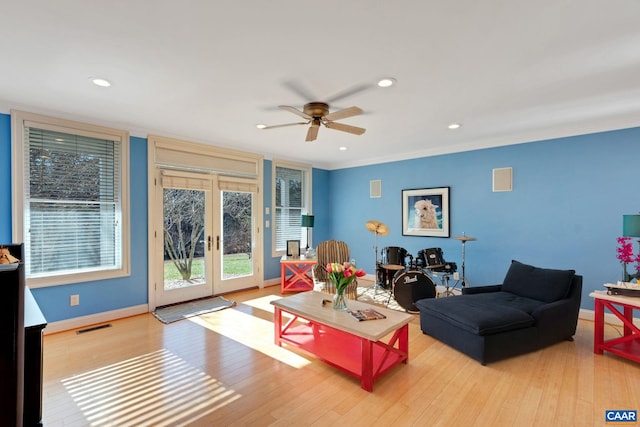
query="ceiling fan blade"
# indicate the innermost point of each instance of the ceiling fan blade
(345, 128)
(349, 92)
(312, 133)
(299, 89)
(295, 111)
(285, 125)
(343, 114)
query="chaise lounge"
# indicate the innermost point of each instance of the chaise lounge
(533, 308)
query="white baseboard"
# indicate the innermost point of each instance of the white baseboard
(271, 282)
(370, 277)
(92, 319)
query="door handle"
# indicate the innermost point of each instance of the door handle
(209, 243)
(217, 243)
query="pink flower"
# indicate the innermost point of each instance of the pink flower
(361, 273)
(625, 250)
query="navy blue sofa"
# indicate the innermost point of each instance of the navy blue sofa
(533, 308)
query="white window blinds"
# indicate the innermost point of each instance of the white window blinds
(73, 199)
(290, 197)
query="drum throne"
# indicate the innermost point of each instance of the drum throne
(332, 251)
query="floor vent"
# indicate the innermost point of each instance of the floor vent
(93, 328)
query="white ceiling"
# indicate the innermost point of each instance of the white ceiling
(510, 71)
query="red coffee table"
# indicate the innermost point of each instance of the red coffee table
(339, 340)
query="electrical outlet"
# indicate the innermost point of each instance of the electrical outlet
(74, 300)
(456, 276)
(267, 224)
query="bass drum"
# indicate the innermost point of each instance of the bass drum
(411, 286)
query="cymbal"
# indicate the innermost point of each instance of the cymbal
(377, 227)
(465, 238)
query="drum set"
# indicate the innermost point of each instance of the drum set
(410, 278)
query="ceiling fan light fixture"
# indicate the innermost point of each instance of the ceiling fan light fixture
(453, 126)
(342, 148)
(387, 82)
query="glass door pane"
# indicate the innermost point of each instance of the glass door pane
(185, 246)
(237, 243)
(184, 243)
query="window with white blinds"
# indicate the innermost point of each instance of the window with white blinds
(292, 195)
(73, 201)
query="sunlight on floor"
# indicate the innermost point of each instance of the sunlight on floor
(250, 330)
(158, 389)
(263, 303)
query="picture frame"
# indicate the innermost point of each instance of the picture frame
(425, 212)
(293, 248)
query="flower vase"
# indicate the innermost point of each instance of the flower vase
(339, 300)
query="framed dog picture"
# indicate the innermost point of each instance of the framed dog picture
(293, 248)
(425, 212)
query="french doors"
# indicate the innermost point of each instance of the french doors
(205, 236)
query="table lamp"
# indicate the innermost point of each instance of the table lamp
(631, 225)
(307, 221)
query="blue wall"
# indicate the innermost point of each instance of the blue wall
(5, 178)
(98, 296)
(565, 210)
(112, 294)
(320, 209)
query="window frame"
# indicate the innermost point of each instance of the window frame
(306, 200)
(18, 120)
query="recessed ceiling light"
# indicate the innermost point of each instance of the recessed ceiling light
(454, 126)
(99, 81)
(343, 148)
(387, 82)
(261, 126)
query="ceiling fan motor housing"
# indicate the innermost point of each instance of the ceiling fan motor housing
(316, 109)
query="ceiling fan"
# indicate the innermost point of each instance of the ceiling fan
(317, 113)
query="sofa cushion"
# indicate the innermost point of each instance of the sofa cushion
(541, 284)
(476, 315)
(528, 305)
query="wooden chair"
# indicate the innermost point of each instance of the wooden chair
(333, 251)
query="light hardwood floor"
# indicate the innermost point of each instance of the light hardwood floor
(222, 369)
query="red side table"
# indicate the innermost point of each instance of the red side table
(628, 345)
(296, 274)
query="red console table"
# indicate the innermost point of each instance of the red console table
(628, 345)
(296, 274)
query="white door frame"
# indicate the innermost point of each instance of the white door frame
(208, 185)
(221, 285)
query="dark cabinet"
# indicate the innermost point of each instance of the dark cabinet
(34, 324)
(12, 340)
(21, 328)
